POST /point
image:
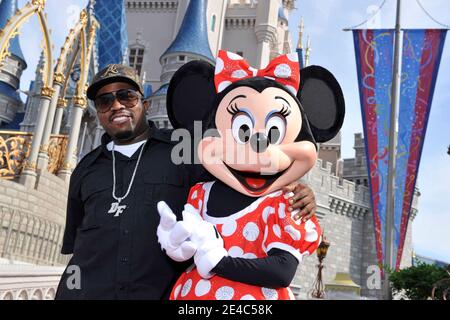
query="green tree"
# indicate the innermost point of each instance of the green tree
(417, 282)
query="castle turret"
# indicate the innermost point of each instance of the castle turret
(34, 97)
(300, 44)
(10, 70)
(266, 30)
(191, 43)
(112, 38)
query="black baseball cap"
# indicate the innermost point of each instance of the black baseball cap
(114, 73)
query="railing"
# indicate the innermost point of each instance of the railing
(15, 147)
(27, 237)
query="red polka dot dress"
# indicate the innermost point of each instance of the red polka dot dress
(250, 233)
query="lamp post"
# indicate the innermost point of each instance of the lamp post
(318, 287)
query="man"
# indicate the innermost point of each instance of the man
(112, 212)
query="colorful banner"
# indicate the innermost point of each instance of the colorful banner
(422, 51)
(374, 57)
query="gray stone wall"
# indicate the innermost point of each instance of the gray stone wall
(32, 220)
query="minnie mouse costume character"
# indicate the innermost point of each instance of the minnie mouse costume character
(266, 124)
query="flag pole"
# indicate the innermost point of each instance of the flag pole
(389, 244)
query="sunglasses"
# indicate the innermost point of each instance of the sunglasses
(129, 98)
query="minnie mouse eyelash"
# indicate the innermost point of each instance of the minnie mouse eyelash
(285, 111)
(233, 109)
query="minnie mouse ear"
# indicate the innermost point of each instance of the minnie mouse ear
(191, 94)
(323, 102)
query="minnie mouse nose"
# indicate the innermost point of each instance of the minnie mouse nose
(259, 142)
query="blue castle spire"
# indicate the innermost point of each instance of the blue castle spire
(112, 38)
(8, 9)
(193, 34)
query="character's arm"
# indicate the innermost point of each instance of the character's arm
(274, 271)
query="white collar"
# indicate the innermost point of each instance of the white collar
(127, 150)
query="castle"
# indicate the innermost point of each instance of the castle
(162, 36)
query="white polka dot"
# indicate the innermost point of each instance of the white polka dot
(291, 89)
(249, 256)
(177, 291)
(283, 71)
(223, 85)
(225, 293)
(236, 252)
(294, 233)
(270, 294)
(293, 57)
(311, 232)
(202, 287)
(251, 231)
(276, 229)
(282, 211)
(219, 65)
(228, 228)
(266, 212)
(233, 56)
(239, 74)
(186, 288)
(248, 297)
(194, 195)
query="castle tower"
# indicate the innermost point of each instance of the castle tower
(266, 31)
(112, 37)
(330, 151)
(34, 96)
(300, 44)
(10, 71)
(284, 37)
(191, 43)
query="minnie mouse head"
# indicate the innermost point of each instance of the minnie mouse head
(267, 122)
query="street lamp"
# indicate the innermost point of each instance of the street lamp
(318, 291)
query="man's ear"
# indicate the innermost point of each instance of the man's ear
(191, 93)
(323, 102)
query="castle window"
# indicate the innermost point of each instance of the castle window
(136, 58)
(182, 58)
(213, 23)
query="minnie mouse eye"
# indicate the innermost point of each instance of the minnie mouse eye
(276, 129)
(242, 128)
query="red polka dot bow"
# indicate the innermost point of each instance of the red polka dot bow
(231, 68)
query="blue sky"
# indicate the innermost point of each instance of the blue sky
(333, 49)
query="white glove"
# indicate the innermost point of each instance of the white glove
(174, 235)
(210, 248)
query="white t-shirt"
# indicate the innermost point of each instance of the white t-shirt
(127, 150)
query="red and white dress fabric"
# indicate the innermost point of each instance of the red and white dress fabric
(250, 233)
